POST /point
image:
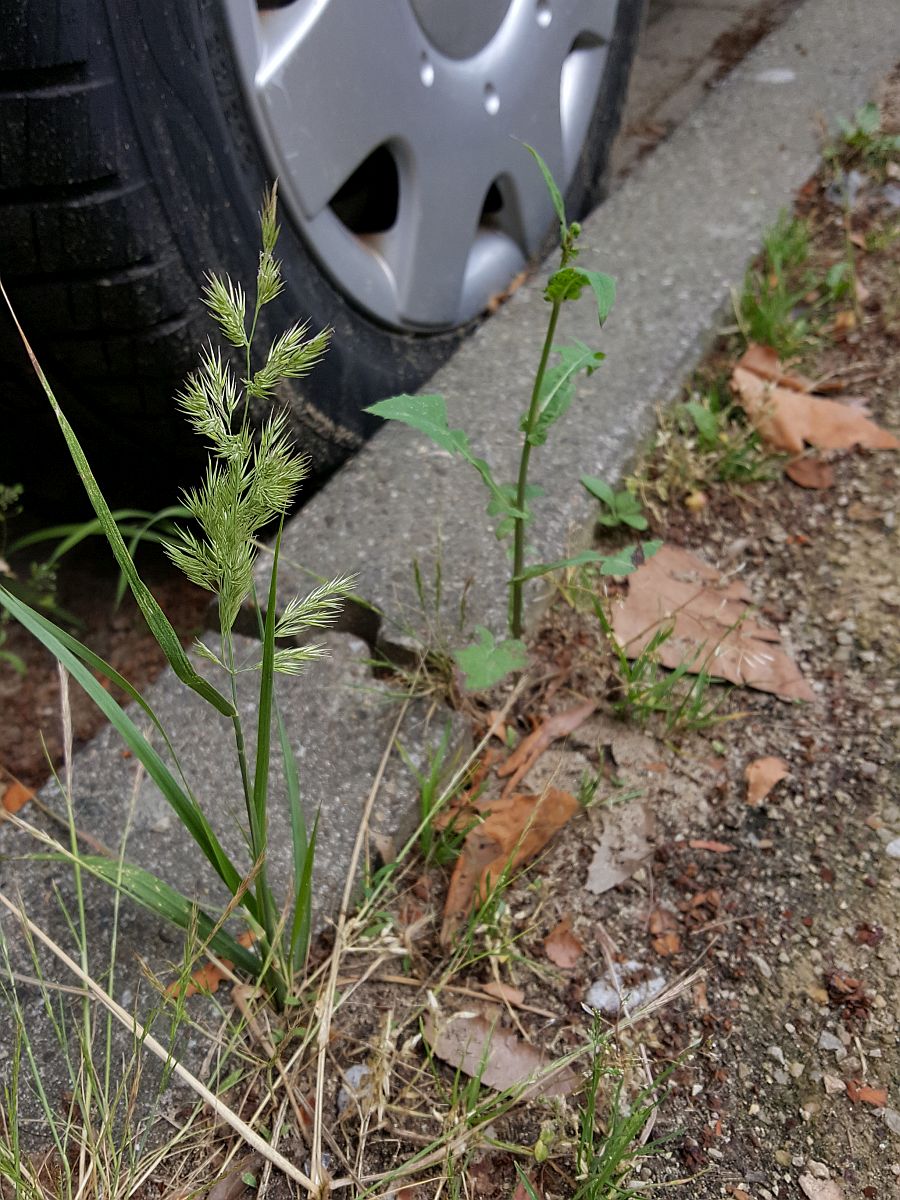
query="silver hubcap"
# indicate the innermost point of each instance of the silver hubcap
(393, 128)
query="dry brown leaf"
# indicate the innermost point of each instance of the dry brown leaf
(764, 362)
(208, 977)
(788, 419)
(711, 626)
(16, 797)
(664, 928)
(561, 945)
(521, 1192)
(533, 746)
(516, 828)
(504, 991)
(627, 842)
(498, 1057)
(810, 472)
(858, 1091)
(232, 1185)
(761, 777)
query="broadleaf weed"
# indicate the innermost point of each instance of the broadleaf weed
(552, 393)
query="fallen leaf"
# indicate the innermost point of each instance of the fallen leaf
(761, 777)
(233, 1186)
(787, 419)
(208, 977)
(700, 998)
(498, 1057)
(533, 746)
(844, 321)
(504, 991)
(626, 843)
(561, 945)
(764, 362)
(712, 629)
(522, 1193)
(715, 847)
(515, 829)
(861, 1092)
(664, 928)
(820, 1189)
(810, 472)
(16, 797)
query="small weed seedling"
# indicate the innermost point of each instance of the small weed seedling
(249, 483)
(617, 508)
(697, 444)
(606, 1163)
(552, 394)
(769, 307)
(644, 687)
(863, 143)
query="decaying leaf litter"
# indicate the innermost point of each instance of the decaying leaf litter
(758, 850)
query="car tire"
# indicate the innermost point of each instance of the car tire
(129, 167)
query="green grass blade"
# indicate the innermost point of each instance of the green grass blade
(300, 843)
(143, 533)
(258, 813)
(156, 619)
(70, 535)
(188, 811)
(301, 925)
(164, 901)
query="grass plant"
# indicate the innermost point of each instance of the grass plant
(250, 482)
(770, 309)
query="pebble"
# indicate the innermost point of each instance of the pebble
(828, 1041)
(833, 1085)
(893, 848)
(761, 965)
(818, 1169)
(777, 1053)
(891, 1118)
(783, 1158)
(604, 996)
(354, 1079)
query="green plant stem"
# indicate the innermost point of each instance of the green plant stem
(264, 899)
(516, 586)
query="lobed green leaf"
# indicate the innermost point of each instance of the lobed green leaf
(428, 414)
(488, 661)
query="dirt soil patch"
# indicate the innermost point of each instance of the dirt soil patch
(86, 589)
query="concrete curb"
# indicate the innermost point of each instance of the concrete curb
(677, 236)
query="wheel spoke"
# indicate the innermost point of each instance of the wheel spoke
(429, 249)
(329, 83)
